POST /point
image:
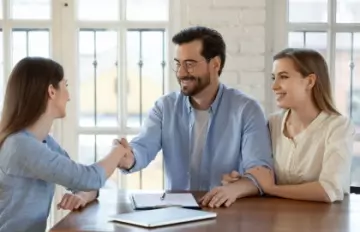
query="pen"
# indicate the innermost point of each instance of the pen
(163, 196)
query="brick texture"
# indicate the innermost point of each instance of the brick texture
(242, 24)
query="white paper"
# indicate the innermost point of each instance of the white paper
(143, 200)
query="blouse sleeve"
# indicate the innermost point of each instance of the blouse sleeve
(335, 173)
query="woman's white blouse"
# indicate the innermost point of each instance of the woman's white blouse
(322, 152)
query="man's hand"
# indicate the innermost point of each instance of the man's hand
(72, 202)
(128, 160)
(222, 195)
(230, 178)
(264, 176)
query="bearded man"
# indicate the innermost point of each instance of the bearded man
(205, 130)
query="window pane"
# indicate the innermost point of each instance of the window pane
(296, 39)
(313, 40)
(145, 10)
(347, 11)
(102, 144)
(1, 9)
(308, 11)
(150, 178)
(30, 42)
(2, 87)
(145, 73)
(94, 10)
(98, 78)
(30, 9)
(347, 87)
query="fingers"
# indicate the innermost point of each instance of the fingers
(125, 143)
(230, 178)
(71, 202)
(63, 201)
(218, 200)
(229, 202)
(207, 198)
(234, 174)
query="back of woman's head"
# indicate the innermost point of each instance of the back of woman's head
(310, 62)
(26, 95)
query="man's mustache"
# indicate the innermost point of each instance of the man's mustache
(187, 78)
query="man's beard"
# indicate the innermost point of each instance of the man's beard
(199, 84)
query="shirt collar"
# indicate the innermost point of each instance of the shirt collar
(214, 105)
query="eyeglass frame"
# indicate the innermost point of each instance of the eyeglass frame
(195, 62)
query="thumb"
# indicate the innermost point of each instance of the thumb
(125, 143)
(235, 174)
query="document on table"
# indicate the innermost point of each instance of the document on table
(162, 217)
(154, 200)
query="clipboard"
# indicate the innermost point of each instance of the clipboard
(149, 201)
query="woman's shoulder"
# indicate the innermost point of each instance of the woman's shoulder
(339, 124)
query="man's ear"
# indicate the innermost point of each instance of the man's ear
(216, 63)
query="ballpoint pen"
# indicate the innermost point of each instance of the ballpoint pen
(163, 196)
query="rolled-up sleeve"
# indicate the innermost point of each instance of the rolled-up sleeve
(255, 142)
(335, 172)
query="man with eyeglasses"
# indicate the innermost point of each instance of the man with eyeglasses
(206, 130)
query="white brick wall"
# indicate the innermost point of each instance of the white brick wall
(242, 24)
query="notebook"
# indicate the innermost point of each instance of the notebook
(143, 201)
(162, 217)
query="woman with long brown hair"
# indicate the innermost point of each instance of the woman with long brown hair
(31, 161)
(311, 141)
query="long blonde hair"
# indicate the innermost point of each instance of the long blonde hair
(307, 62)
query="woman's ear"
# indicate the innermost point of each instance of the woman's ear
(311, 81)
(51, 92)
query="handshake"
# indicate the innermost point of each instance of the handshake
(123, 149)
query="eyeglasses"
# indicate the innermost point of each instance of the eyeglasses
(188, 65)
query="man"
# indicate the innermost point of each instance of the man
(207, 129)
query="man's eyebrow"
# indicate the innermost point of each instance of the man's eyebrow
(187, 60)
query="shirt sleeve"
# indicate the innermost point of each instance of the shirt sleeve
(335, 173)
(40, 162)
(148, 143)
(255, 141)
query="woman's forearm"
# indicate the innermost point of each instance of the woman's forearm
(312, 191)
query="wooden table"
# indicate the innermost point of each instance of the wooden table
(248, 214)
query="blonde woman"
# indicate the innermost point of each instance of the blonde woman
(311, 141)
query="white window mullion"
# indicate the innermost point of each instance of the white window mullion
(122, 82)
(309, 27)
(6, 42)
(332, 41)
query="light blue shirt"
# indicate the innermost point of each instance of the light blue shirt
(29, 170)
(237, 139)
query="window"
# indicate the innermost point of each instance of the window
(333, 28)
(115, 60)
(121, 72)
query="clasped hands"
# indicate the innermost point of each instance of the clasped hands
(229, 191)
(123, 148)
